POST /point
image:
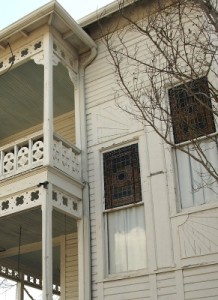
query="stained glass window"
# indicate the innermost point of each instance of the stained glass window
(190, 106)
(122, 177)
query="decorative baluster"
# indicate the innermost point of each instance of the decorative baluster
(70, 160)
(73, 163)
(65, 158)
(8, 162)
(38, 151)
(22, 157)
(15, 158)
(30, 143)
(57, 153)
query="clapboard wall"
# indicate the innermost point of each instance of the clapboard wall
(182, 251)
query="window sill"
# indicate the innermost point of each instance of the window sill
(199, 139)
(191, 210)
(126, 275)
(123, 207)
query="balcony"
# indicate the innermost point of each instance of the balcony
(27, 153)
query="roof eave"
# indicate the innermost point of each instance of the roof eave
(103, 12)
(42, 12)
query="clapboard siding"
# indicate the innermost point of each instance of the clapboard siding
(99, 88)
(166, 286)
(201, 283)
(71, 263)
(64, 125)
(127, 289)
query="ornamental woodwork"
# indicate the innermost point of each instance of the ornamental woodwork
(198, 235)
(21, 54)
(29, 154)
(28, 280)
(21, 201)
(65, 56)
(66, 203)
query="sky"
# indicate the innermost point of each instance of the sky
(13, 10)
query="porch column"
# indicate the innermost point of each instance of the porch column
(83, 225)
(47, 272)
(48, 98)
(20, 286)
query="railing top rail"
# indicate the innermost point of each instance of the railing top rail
(66, 143)
(22, 140)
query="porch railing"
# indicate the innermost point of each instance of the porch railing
(28, 153)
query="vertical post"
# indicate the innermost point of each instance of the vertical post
(77, 110)
(47, 272)
(20, 286)
(48, 98)
(83, 226)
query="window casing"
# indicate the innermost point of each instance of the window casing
(190, 105)
(124, 216)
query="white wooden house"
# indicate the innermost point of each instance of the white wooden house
(63, 144)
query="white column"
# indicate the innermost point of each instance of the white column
(48, 98)
(20, 287)
(83, 226)
(47, 272)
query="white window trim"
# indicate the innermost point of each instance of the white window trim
(108, 275)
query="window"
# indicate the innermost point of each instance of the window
(122, 177)
(189, 105)
(191, 119)
(124, 223)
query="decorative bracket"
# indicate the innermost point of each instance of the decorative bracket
(39, 58)
(73, 77)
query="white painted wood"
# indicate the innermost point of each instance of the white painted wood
(166, 286)
(63, 267)
(48, 97)
(179, 284)
(84, 224)
(71, 268)
(47, 245)
(20, 287)
(153, 286)
(201, 282)
(79, 113)
(162, 225)
(129, 288)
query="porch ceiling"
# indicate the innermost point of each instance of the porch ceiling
(21, 97)
(25, 228)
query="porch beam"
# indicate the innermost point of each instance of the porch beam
(28, 248)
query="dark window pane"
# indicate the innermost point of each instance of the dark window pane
(122, 177)
(190, 109)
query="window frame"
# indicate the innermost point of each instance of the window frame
(135, 169)
(187, 143)
(107, 211)
(212, 116)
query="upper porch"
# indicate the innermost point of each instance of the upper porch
(41, 92)
(43, 149)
